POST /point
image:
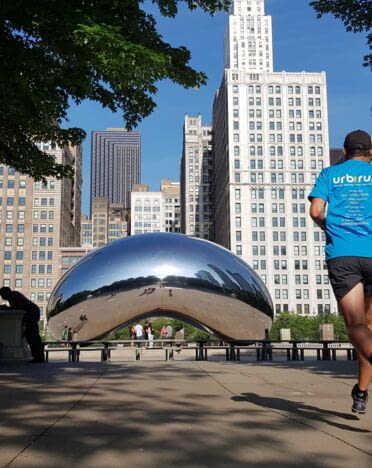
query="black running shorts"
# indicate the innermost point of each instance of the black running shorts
(347, 272)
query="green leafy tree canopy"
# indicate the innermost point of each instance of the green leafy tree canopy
(355, 14)
(54, 52)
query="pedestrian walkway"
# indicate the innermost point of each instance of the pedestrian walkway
(182, 413)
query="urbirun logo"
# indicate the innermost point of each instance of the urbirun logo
(349, 179)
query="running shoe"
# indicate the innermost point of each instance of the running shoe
(360, 400)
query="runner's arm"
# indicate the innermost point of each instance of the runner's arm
(317, 212)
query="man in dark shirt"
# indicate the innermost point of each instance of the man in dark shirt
(17, 301)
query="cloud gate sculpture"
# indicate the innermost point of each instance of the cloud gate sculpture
(161, 274)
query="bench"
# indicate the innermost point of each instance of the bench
(264, 349)
(351, 354)
(73, 349)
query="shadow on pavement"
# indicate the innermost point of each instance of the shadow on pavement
(341, 369)
(99, 414)
(299, 409)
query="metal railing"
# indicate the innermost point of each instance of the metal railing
(265, 350)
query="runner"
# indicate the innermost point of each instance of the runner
(346, 190)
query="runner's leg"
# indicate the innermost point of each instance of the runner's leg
(353, 309)
(365, 369)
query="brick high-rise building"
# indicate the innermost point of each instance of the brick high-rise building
(197, 179)
(337, 156)
(171, 205)
(36, 220)
(108, 223)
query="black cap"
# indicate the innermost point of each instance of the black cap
(357, 140)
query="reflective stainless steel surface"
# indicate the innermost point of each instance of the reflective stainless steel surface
(161, 274)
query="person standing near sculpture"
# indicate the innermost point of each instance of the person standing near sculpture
(64, 335)
(179, 338)
(169, 331)
(70, 334)
(138, 329)
(150, 334)
(17, 301)
(346, 189)
(163, 333)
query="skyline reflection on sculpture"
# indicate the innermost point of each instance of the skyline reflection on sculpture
(182, 281)
(203, 269)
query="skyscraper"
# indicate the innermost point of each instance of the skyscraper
(37, 219)
(86, 235)
(270, 142)
(115, 165)
(108, 223)
(171, 205)
(156, 211)
(197, 179)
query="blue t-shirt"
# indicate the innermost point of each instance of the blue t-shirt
(347, 189)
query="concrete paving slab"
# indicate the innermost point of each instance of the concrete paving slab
(184, 413)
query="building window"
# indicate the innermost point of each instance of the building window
(7, 255)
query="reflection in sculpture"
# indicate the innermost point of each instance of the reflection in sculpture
(161, 274)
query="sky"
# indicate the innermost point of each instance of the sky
(301, 42)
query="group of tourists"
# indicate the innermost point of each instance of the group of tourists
(67, 335)
(146, 333)
(142, 332)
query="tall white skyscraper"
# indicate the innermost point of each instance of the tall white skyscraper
(248, 37)
(270, 142)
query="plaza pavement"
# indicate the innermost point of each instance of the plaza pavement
(183, 413)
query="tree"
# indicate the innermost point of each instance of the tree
(355, 14)
(307, 328)
(57, 51)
